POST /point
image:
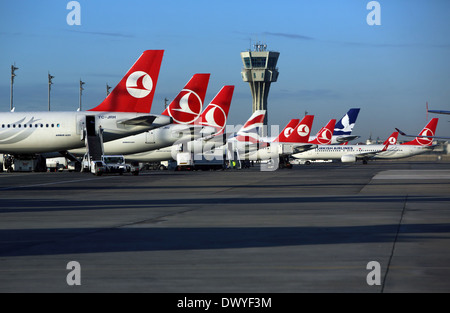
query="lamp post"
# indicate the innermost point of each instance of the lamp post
(13, 69)
(81, 92)
(50, 77)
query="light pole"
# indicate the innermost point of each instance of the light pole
(165, 103)
(107, 89)
(50, 77)
(13, 69)
(81, 92)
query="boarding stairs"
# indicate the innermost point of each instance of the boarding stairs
(94, 143)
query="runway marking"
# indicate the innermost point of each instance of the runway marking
(413, 174)
(55, 183)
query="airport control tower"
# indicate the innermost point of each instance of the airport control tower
(260, 70)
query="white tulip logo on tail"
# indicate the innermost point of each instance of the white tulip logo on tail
(188, 108)
(424, 141)
(139, 84)
(325, 136)
(303, 130)
(392, 140)
(288, 131)
(215, 116)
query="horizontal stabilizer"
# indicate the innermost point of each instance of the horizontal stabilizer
(303, 148)
(435, 137)
(146, 120)
(346, 138)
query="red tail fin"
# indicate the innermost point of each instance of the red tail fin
(302, 131)
(187, 105)
(250, 132)
(428, 130)
(287, 131)
(256, 120)
(325, 135)
(392, 139)
(216, 113)
(135, 91)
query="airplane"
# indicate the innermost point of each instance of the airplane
(249, 134)
(185, 110)
(352, 153)
(343, 128)
(229, 145)
(123, 113)
(214, 116)
(427, 135)
(421, 136)
(247, 144)
(290, 140)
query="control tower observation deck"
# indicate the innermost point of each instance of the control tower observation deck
(260, 71)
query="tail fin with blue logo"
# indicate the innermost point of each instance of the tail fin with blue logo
(345, 125)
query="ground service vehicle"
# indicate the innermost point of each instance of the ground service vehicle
(98, 168)
(190, 161)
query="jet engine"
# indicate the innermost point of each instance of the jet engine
(348, 158)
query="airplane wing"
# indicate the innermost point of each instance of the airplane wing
(436, 137)
(371, 154)
(439, 111)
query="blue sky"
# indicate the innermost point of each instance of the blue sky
(330, 58)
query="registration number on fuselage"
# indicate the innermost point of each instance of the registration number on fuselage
(107, 117)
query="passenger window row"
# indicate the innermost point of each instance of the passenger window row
(29, 125)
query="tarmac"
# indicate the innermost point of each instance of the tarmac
(383, 227)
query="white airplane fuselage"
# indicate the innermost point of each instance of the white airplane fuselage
(40, 132)
(336, 152)
(154, 139)
(163, 154)
(335, 140)
(169, 152)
